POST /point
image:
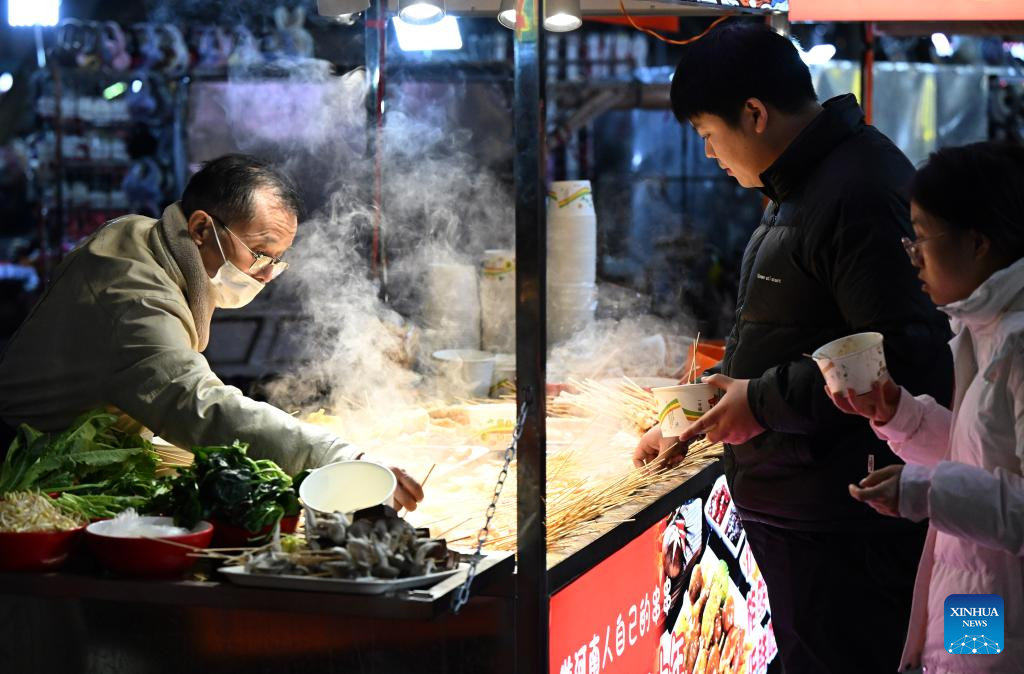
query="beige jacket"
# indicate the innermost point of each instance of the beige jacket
(121, 326)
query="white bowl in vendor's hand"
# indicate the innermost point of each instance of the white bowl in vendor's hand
(347, 486)
(854, 362)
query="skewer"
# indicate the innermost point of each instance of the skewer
(423, 483)
(693, 361)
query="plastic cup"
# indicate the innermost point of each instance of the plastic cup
(854, 362)
(681, 405)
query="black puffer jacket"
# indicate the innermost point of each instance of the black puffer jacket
(825, 262)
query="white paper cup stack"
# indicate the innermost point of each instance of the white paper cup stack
(571, 308)
(572, 258)
(854, 362)
(498, 300)
(451, 306)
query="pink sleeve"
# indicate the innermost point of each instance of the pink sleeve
(970, 503)
(919, 431)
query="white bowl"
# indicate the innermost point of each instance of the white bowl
(855, 362)
(347, 486)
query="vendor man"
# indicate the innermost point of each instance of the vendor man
(127, 314)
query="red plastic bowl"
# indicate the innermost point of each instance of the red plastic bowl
(228, 536)
(36, 550)
(145, 556)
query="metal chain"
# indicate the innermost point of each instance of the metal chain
(462, 595)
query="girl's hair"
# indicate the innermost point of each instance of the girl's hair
(979, 187)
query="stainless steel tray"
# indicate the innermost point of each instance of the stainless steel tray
(239, 576)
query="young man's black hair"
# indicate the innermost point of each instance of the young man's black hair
(735, 62)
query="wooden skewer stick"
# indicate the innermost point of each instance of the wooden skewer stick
(693, 361)
(423, 483)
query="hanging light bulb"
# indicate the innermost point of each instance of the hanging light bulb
(561, 16)
(421, 12)
(507, 14)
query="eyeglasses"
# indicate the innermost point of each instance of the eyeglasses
(913, 247)
(260, 260)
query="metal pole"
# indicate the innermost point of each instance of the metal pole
(375, 49)
(867, 73)
(531, 339)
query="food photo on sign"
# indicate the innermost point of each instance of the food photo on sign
(717, 618)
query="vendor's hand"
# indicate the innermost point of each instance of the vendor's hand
(653, 447)
(881, 490)
(408, 492)
(730, 420)
(879, 405)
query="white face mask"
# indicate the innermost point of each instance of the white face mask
(233, 287)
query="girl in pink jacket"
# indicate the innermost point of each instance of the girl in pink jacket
(964, 467)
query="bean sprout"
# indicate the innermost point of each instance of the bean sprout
(25, 511)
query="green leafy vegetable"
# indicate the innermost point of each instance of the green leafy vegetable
(89, 463)
(99, 506)
(225, 484)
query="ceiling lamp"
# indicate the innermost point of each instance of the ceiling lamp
(561, 16)
(421, 12)
(33, 12)
(507, 14)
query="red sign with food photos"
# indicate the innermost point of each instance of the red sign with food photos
(611, 618)
(684, 597)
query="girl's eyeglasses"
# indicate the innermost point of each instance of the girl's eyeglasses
(913, 247)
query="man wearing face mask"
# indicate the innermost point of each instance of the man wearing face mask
(126, 316)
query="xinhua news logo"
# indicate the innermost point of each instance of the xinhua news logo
(974, 624)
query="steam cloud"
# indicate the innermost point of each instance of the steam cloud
(446, 199)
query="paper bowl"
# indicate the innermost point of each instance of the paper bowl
(37, 550)
(347, 486)
(854, 362)
(466, 373)
(681, 405)
(498, 262)
(147, 557)
(567, 198)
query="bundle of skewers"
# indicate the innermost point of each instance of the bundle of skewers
(624, 400)
(580, 507)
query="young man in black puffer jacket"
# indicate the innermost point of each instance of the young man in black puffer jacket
(826, 261)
